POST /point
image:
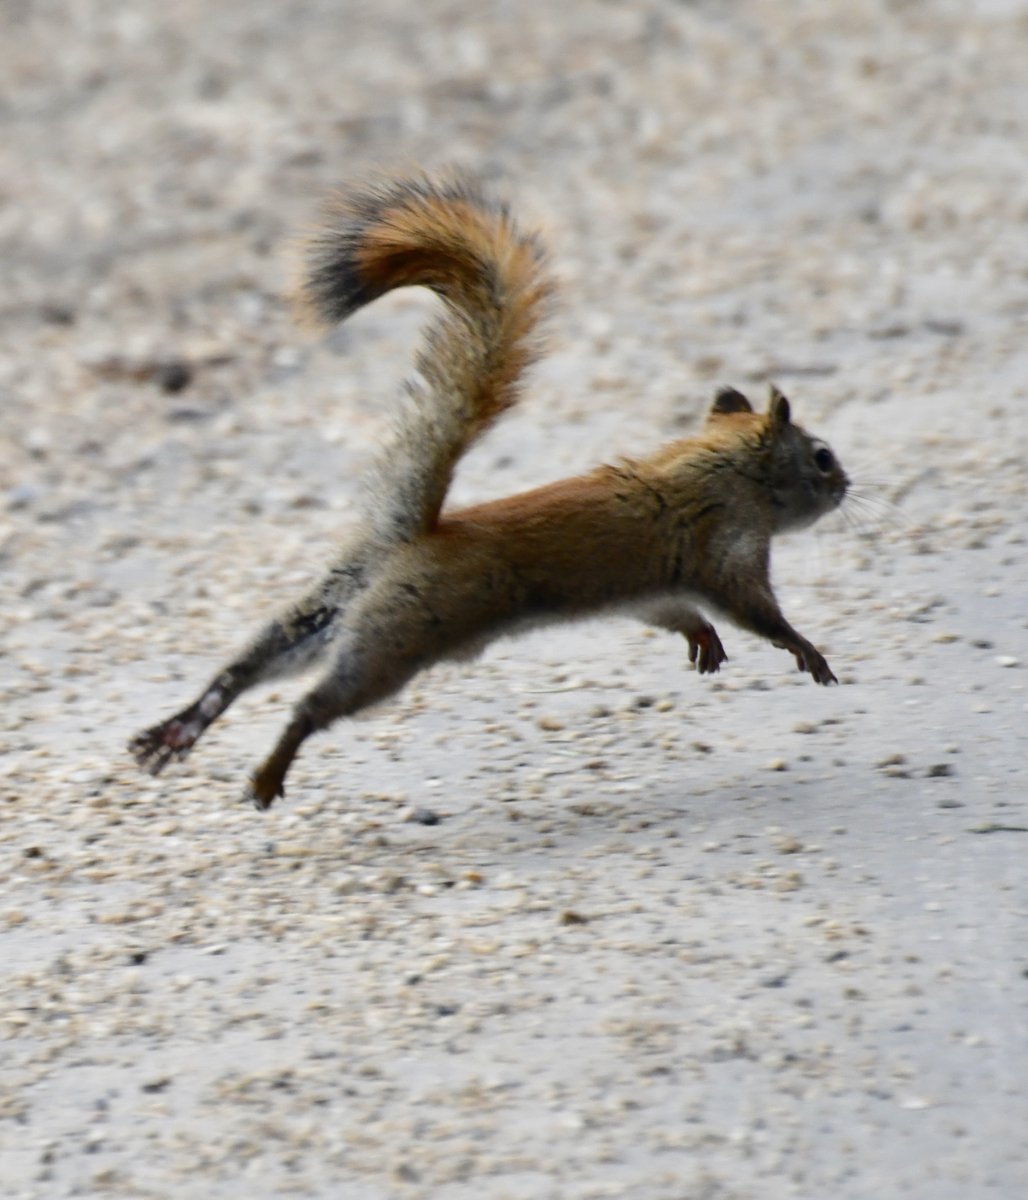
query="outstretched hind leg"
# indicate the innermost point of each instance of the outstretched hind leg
(284, 647)
(268, 782)
(353, 683)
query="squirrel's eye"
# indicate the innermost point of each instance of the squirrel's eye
(823, 460)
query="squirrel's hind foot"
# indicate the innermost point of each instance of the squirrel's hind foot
(154, 748)
(265, 787)
(268, 782)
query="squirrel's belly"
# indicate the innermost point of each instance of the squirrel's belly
(648, 609)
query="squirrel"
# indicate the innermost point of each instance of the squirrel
(663, 538)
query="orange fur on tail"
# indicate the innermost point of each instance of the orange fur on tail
(491, 277)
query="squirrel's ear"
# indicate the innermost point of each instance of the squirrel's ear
(778, 408)
(728, 400)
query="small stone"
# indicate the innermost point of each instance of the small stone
(56, 312)
(153, 1086)
(775, 981)
(570, 917)
(940, 770)
(22, 495)
(915, 1103)
(892, 760)
(173, 375)
(295, 850)
(790, 882)
(423, 816)
(1007, 660)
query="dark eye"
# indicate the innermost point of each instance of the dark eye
(823, 460)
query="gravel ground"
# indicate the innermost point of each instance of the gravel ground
(570, 922)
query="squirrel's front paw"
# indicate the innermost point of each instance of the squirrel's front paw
(705, 649)
(815, 664)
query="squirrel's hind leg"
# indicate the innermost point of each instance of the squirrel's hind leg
(286, 646)
(355, 681)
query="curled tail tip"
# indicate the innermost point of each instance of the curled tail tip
(330, 285)
(338, 269)
(391, 232)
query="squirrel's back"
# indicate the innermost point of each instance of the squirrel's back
(446, 236)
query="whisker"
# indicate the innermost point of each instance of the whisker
(866, 510)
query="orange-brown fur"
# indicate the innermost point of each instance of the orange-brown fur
(687, 529)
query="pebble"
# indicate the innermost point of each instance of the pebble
(895, 759)
(940, 770)
(423, 816)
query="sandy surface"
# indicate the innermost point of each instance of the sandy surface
(672, 938)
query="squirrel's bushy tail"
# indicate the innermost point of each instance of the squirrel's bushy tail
(491, 277)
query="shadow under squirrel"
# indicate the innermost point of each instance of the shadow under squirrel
(662, 537)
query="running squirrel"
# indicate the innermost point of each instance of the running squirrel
(662, 538)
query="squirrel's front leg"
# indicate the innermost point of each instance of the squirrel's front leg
(809, 659)
(761, 614)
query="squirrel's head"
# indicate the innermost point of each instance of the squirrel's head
(801, 474)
